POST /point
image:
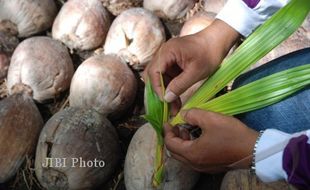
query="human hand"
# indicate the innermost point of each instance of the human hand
(186, 60)
(224, 140)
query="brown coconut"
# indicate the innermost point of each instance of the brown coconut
(213, 6)
(82, 24)
(116, 7)
(20, 126)
(197, 23)
(173, 9)
(244, 179)
(135, 35)
(82, 134)
(4, 65)
(43, 64)
(139, 165)
(8, 43)
(30, 16)
(104, 83)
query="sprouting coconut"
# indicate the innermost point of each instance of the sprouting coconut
(20, 126)
(135, 35)
(77, 149)
(104, 83)
(82, 24)
(30, 16)
(174, 9)
(44, 65)
(139, 165)
(116, 7)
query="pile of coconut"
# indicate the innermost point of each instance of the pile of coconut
(71, 93)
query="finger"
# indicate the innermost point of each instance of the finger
(154, 77)
(175, 106)
(184, 134)
(179, 84)
(180, 158)
(194, 117)
(176, 144)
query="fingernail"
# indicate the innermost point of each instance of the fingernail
(170, 96)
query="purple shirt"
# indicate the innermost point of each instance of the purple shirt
(251, 3)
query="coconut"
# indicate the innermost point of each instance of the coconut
(139, 165)
(82, 24)
(43, 64)
(135, 35)
(4, 65)
(174, 9)
(20, 127)
(86, 146)
(244, 178)
(116, 7)
(30, 16)
(213, 6)
(197, 23)
(104, 83)
(8, 43)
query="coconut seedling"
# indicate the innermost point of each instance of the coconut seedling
(175, 9)
(104, 83)
(138, 170)
(77, 149)
(82, 24)
(44, 65)
(20, 126)
(30, 16)
(116, 7)
(135, 36)
(255, 95)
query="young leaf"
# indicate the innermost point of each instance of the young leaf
(157, 114)
(275, 30)
(260, 93)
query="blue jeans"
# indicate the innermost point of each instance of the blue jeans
(290, 115)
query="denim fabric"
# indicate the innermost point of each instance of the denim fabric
(290, 115)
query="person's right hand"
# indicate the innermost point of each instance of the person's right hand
(186, 60)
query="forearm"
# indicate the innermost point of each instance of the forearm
(284, 156)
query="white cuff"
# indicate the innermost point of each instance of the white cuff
(269, 155)
(244, 19)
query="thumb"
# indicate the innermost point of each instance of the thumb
(179, 85)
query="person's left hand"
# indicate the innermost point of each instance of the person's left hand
(224, 140)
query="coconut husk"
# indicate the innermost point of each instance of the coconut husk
(244, 179)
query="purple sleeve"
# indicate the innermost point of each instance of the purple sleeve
(251, 3)
(296, 162)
